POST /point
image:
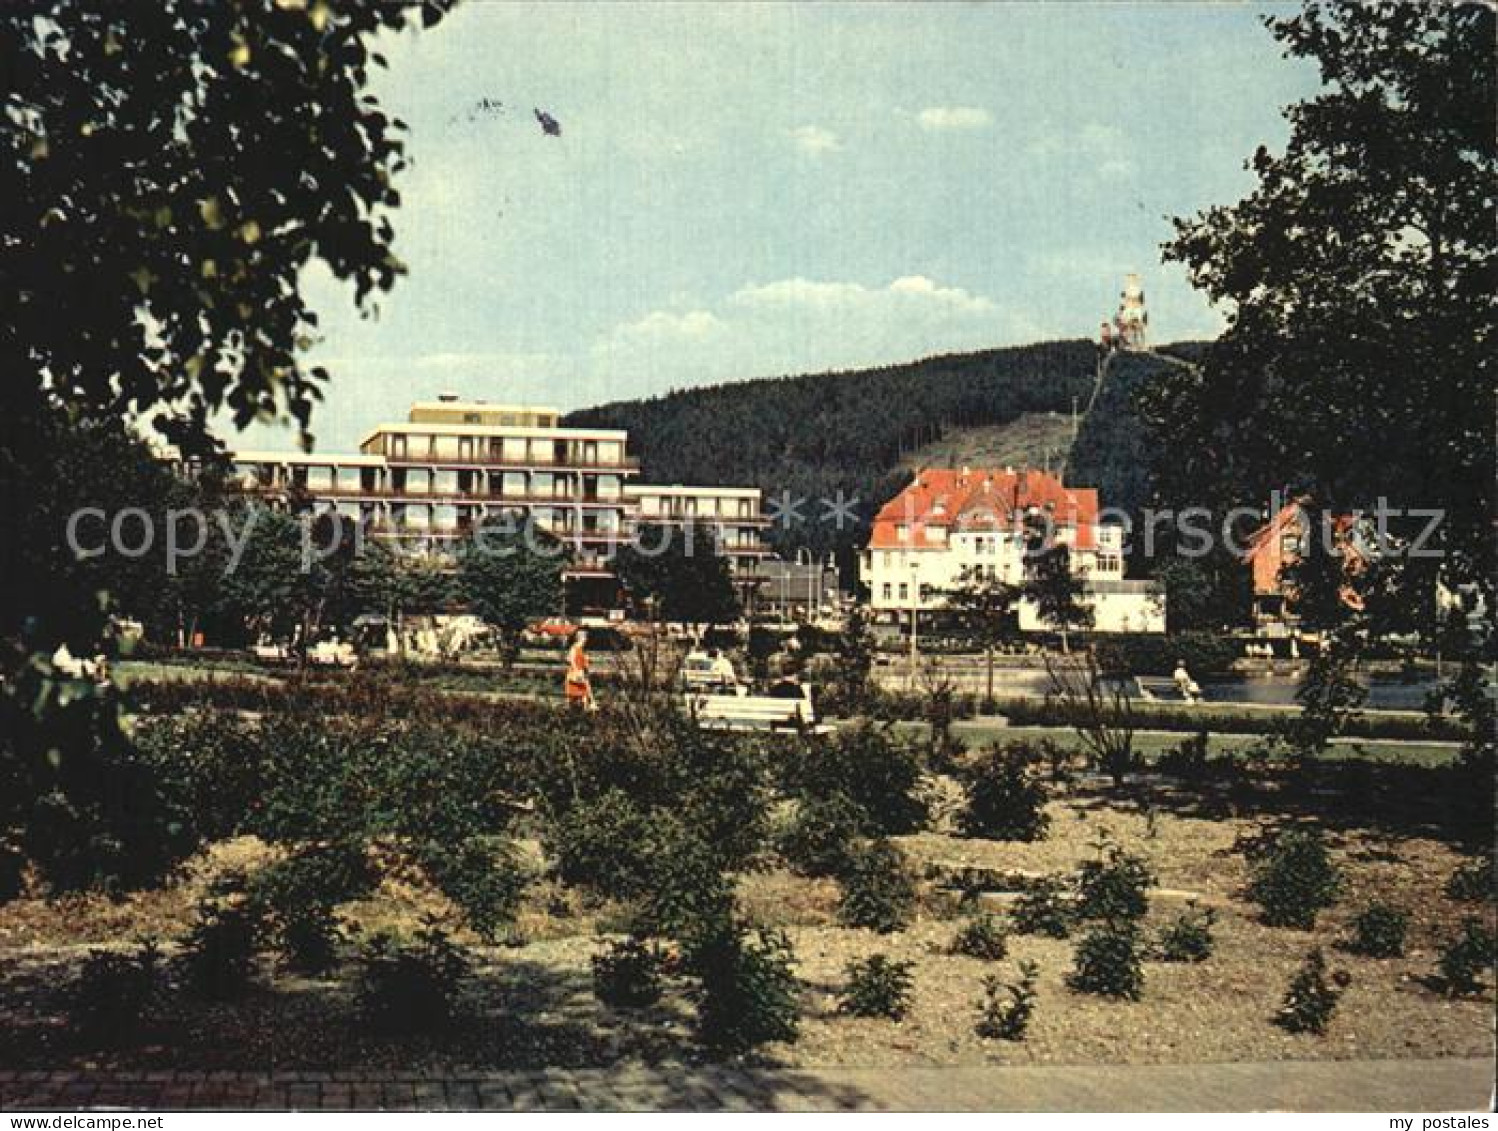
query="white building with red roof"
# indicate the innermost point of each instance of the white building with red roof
(949, 522)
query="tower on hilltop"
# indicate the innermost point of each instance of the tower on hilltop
(1131, 323)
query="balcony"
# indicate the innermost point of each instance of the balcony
(439, 497)
(628, 466)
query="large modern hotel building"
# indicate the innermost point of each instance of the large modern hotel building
(430, 480)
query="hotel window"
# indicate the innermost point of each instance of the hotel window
(904, 591)
(473, 418)
(902, 532)
(887, 588)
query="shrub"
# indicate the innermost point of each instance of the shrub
(685, 889)
(211, 759)
(298, 895)
(1007, 1006)
(1294, 879)
(748, 988)
(877, 987)
(410, 983)
(629, 974)
(597, 844)
(114, 990)
(1188, 758)
(1379, 932)
(876, 770)
(1466, 958)
(982, 936)
(1006, 798)
(1044, 909)
(1311, 999)
(483, 876)
(820, 835)
(219, 953)
(878, 888)
(1107, 962)
(1113, 887)
(1473, 882)
(1205, 653)
(1189, 938)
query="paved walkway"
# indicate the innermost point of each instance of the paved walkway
(1432, 1085)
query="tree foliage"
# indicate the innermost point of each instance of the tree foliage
(511, 577)
(1356, 279)
(679, 574)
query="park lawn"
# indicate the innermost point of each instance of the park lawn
(1151, 743)
(529, 1004)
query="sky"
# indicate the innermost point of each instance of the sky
(748, 191)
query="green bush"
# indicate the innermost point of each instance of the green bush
(629, 974)
(1294, 879)
(408, 984)
(483, 876)
(1473, 882)
(820, 835)
(685, 891)
(1107, 962)
(1007, 1006)
(214, 761)
(1379, 931)
(877, 987)
(1189, 937)
(878, 888)
(298, 895)
(1312, 998)
(114, 991)
(598, 844)
(1005, 796)
(982, 936)
(1466, 958)
(1188, 758)
(878, 771)
(219, 953)
(1114, 887)
(1044, 909)
(748, 989)
(1205, 654)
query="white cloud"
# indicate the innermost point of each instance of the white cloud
(939, 119)
(815, 140)
(666, 325)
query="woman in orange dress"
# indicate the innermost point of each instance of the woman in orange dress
(579, 690)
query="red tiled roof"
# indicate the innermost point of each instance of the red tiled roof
(981, 499)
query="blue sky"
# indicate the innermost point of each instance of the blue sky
(744, 191)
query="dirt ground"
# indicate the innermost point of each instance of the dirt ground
(530, 1002)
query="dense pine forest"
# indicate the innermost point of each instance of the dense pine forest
(820, 434)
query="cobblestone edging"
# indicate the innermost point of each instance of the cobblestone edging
(1431, 1085)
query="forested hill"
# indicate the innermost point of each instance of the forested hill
(820, 434)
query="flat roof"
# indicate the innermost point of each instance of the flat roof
(355, 459)
(485, 406)
(517, 431)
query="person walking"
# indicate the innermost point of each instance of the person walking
(578, 687)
